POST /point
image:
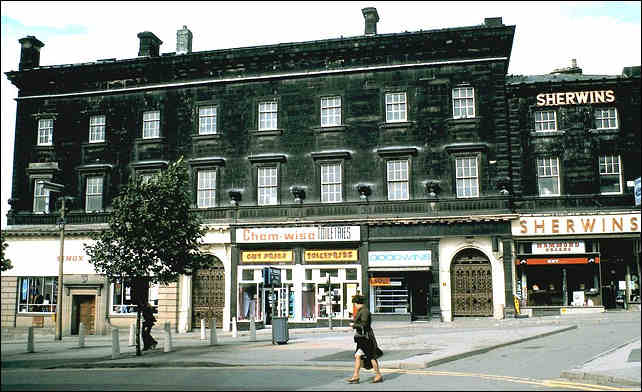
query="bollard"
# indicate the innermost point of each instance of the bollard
(30, 345)
(132, 334)
(203, 329)
(213, 340)
(115, 344)
(167, 346)
(252, 330)
(81, 335)
(235, 332)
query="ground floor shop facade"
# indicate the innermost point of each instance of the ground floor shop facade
(577, 263)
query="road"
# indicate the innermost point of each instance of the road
(531, 365)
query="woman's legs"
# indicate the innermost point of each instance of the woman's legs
(357, 365)
(375, 367)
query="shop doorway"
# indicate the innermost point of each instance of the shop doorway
(472, 284)
(418, 282)
(208, 294)
(83, 311)
(267, 305)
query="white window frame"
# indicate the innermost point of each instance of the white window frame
(130, 309)
(546, 169)
(331, 111)
(396, 107)
(207, 120)
(97, 129)
(467, 177)
(398, 175)
(331, 182)
(267, 179)
(543, 120)
(45, 131)
(151, 124)
(32, 305)
(147, 176)
(268, 115)
(606, 115)
(94, 193)
(610, 165)
(206, 188)
(40, 193)
(463, 102)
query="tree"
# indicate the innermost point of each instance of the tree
(152, 237)
(6, 263)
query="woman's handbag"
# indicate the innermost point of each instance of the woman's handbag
(359, 333)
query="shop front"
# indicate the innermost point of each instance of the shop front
(576, 263)
(319, 268)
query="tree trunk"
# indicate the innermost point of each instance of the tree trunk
(138, 352)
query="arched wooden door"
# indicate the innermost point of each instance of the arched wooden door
(472, 284)
(208, 294)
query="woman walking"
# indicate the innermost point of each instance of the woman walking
(367, 348)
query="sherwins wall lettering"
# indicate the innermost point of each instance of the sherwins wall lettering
(575, 98)
(587, 224)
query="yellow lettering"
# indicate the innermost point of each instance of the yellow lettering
(599, 97)
(524, 228)
(550, 99)
(618, 225)
(560, 99)
(541, 226)
(610, 96)
(556, 226)
(634, 223)
(541, 99)
(569, 226)
(588, 225)
(582, 96)
(570, 98)
(592, 96)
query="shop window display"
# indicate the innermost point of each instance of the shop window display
(392, 298)
(38, 294)
(308, 301)
(122, 298)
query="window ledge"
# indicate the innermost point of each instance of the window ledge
(268, 132)
(464, 120)
(334, 128)
(207, 137)
(94, 144)
(393, 125)
(609, 131)
(160, 139)
(547, 133)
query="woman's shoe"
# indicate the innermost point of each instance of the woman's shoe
(378, 378)
(352, 380)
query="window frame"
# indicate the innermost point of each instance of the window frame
(97, 128)
(618, 173)
(547, 121)
(601, 118)
(464, 178)
(275, 112)
(145, 121)
(275, 187)
(46, 196)
(392, 104)
(132, 307)
(336, 163)
(464, 99)
(53, 301)
(94, 194)
(333, 110)
(211, 190)
(214, 121)
(557, 167)
(45, 131)
(390, 181)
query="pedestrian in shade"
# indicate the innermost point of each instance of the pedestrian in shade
(367, 348)
(148, 323)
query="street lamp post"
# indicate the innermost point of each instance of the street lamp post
(61, 224)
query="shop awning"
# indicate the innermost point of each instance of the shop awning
(392, 269)
(557, 260)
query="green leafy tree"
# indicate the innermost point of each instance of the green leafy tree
(152, 238)
(6, 263)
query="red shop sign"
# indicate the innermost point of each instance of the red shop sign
(557, 260)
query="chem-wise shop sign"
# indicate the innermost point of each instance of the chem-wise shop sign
(298, 234)
(408, 258)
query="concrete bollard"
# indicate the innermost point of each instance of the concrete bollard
(235, 332)
(167, 345)
(82, 331)
(252, 330)
(132, 334)
(213, 339)
(203, 329)
(115, 344)
(30, 343)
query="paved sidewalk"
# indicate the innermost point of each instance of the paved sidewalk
(405, 345)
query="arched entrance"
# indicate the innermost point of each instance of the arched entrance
(208, 294)
(472, 284)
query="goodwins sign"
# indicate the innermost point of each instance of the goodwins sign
(575, 98)
(408, 258)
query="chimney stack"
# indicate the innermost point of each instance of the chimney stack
(29, 52)
(183, 41)
(493, 22)
(371, 18)
(149, 44)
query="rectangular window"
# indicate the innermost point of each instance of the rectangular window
(351, 274)
(248, 274)
(151, 124)
(40, 198)
(45, 132)
(396, 107)
(146, 178)
(207, 120)
(267, 185)
(206, 188)
(96, 129)
(267, 115)
(331, 183)
(330, 111)
(38, 294)
(463, 102)
(398, 179)
(466, 177)
(605, 118)
(94, 194)
(546, 120)
(610, 174)
(548, 177)
(122, 298)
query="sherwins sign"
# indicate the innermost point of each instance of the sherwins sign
(298, 234)
(575, 98)
(584, 224)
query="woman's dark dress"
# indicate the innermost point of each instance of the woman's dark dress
(368, 344)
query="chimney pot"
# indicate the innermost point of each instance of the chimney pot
(29, 52)
(371, 18)
(573, 63)
(183, 41)
(149, 44)
(493, 22)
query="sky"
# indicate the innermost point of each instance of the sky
(604, 37)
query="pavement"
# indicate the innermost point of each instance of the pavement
(414, 345)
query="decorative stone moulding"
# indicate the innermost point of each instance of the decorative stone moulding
(503, 185)
(364, 191)
(298, 193)
(235, 197)
(433, 188)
